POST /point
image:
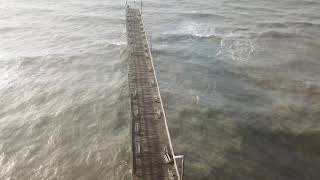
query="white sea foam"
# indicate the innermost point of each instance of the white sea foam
(240, 48)
(202, 30)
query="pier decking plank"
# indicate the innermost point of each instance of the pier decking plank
(150, 137)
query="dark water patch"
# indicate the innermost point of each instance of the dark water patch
(242, 145)
(250, 8)
(194, 58)
(93, 19)
(279, 35)
(244, 29)
(204, 16)
(104, 7)
(310, 66)
(306, 3)
(307, 142)
(283, 84)
(12, 29)
(256, 160)
(272, 25)
(303, 24)
(24, 11)
(171, 38)
(239, 94)
(289, 26)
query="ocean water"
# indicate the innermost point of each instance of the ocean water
(240, 81)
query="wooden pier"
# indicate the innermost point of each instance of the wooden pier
(152, 153)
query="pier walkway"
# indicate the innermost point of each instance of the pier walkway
(152, 153)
